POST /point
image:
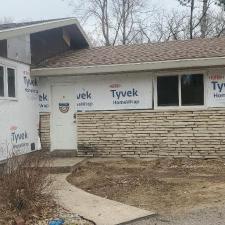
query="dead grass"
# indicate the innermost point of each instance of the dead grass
(166, 186)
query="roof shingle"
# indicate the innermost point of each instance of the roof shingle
(126, 54)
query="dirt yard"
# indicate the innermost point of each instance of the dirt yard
(170, 187)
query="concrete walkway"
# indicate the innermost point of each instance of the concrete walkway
(99, 210)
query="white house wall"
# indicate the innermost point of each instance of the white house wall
(18, 48)
(44, 95)
(216, 88)
(19, 117)
(102, 92)
(109, 92)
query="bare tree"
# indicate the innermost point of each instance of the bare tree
(215, 23)
(116, 20)
(191, 5)
(112, 22)
(176, 25)
(204, 18)
(165, 26)
(202, 12)
(126, 13)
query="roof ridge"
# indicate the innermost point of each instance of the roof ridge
(37, 21)
(12, 25)
(158, 43)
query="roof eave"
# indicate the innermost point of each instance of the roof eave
(34, 28)
(134, 67)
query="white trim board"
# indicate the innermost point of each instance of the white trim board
(132, 67)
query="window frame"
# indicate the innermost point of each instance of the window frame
(15, 82)
(5, 69)
(4, 82)
(179, 74)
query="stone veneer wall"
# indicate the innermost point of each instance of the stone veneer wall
(45, 130)
(195, 134)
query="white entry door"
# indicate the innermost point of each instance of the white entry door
(63, 121)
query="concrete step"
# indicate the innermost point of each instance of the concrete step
(62, 165)
(63, 153)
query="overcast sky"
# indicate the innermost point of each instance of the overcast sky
(22, 10)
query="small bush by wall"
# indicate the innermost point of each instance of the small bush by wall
(24, 187)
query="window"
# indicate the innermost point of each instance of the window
(180, 90)
(7, 82)
(11, 83)
(167, 87)
(2, 81)
(192, 90)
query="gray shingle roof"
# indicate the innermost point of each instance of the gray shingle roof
(125, 54)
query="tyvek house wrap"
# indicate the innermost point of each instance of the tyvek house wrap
(19, 117)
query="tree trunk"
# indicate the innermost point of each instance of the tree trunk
(124, 22)
(105, 22)
(204, 19)
(191, 18)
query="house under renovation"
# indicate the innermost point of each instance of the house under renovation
(149, 100)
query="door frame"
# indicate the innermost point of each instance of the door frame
(51, 117)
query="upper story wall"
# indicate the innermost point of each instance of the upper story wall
(30, 43)
(3, 48)
(18, 48)
(47, 44)
(32, 49)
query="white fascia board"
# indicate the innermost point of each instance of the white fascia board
(14, 32)
(146, 66)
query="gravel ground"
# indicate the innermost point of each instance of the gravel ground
(207, 216)
(69, 218)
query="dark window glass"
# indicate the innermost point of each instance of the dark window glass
(11, 82)
(1, 81)
(192, 90)
(167, 88)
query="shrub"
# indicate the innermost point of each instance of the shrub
(25, 183)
